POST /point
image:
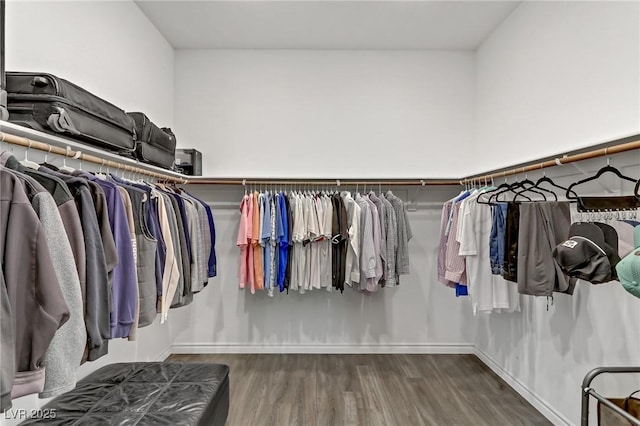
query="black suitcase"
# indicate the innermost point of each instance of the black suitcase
(4, 113)
(189, 162)
(50, 104)
(156, 146)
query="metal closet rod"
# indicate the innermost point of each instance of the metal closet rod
(545, 163)
(78, 155)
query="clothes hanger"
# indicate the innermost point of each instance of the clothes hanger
(64, 162)
(532, 188)
(497, 190)
(26, 162)
(545, 179)
(572, 195)
(510, 188)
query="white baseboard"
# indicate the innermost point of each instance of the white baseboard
(164, 354)
(209, 348)
(531, 397)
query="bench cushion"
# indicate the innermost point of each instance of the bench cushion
(145, 393)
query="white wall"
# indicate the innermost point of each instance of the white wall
(556, 76)
(323, 113)
(108, 47)
(420, 315)
(111, 49)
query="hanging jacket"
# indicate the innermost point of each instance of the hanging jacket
(97, 298)
(67, 209)
(64, 354)
(146, 249)
(37, 304)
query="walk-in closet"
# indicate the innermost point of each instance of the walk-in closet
(313, 213)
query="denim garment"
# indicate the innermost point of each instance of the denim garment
(497, 238)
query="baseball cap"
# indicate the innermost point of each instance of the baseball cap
(629, 272)
(586, 254)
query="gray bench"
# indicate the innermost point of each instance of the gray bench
(145, 393)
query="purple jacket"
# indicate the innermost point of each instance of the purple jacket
(123, 292)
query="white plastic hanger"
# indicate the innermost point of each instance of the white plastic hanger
(101, 175)
(28, 163)
(64, 161)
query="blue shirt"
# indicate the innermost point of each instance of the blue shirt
(282, 232)
(265, 238)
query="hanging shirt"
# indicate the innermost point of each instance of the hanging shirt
(315, 236)
(258, 265)
(296, 260)
(241, 242)
(250, 260)
(383, 234)
(367, 244)
(455, 265)
(488, 292)
(373, 283)
(283, 240)
(306, 244)
(404, 236)
(212, 263)
(287, 277)
(352, 259)
(442, 245)
(272, 243)
(326, 257)
(391, 223)
(265, 237)
(170, 277)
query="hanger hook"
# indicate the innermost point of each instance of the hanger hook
(26, 151)
(606, 154)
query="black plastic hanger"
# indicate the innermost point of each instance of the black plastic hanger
(490, 193)
(545, 179)
(572, 195)
(510, 188)
(532, 188)
(536, 186)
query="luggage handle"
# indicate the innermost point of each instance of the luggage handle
(39, 81)
(61, 123)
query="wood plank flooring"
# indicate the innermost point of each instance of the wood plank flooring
(376, 390)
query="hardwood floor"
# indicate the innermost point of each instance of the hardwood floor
(376, 390)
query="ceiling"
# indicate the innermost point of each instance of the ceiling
(326, 24)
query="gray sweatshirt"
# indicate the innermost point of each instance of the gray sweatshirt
(63, 357)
